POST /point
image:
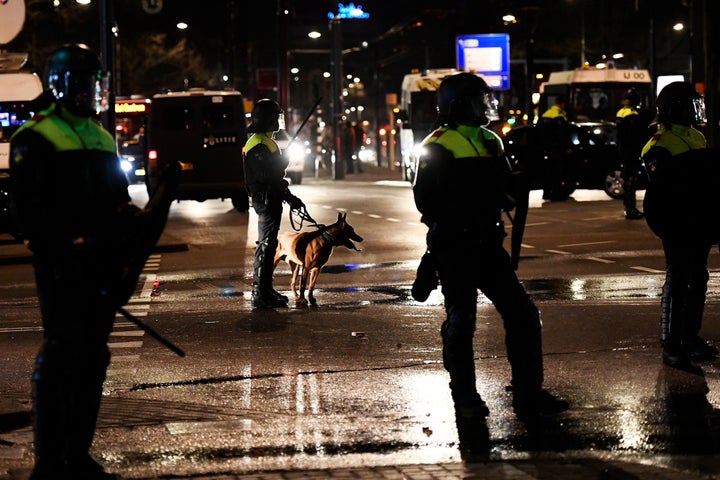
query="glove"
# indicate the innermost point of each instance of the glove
(294, 202)
(426, 279)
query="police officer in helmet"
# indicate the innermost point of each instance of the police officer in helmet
(632, 134)
(684, 177)
(70, 199)
(264, 177)
(465, 241)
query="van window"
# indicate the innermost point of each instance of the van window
(178, 118)
(218, 116)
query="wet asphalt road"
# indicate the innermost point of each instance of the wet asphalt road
(358, 380)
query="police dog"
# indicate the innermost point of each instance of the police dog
(308, 252)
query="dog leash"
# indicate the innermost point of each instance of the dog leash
(303, 216)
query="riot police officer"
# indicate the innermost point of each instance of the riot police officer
(264, 177)
(70, 199)
(679, 205)
(465, 239)
(556, 113)
(632, 134)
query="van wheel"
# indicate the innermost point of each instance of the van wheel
(241, 202)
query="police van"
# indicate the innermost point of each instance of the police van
(204, 130)
(17, 90)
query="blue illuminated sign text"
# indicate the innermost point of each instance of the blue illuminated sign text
(349, 11)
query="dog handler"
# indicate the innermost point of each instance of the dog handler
(465, 240)
(265, 167)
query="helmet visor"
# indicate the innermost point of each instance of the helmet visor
(699, 110)
(485, 106)
(86, 93)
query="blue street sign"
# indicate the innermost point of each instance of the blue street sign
(486, 54)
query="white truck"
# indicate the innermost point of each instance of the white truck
(595, 94)
(418, 113)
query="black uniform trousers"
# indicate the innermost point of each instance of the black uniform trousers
(685, 287)
(77, 317)
(269, 211)
(465, 264)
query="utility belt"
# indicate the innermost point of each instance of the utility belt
(449, 233)
(267, 197)
(260, 197)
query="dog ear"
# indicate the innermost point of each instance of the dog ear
(339, 216)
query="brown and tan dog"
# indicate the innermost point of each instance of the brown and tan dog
(310, 251)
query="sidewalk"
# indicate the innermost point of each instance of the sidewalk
(566, 469)
(371, 173)
(545, 469)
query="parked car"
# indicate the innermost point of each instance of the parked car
(588, 159)
(133, 160)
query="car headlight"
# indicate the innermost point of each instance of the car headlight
(295, 151)
(127, 165)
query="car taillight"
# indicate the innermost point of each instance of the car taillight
(152, 160)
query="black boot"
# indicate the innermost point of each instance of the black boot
(672, 322)
(279, 296)
(468, 404)
(263, 293)
(634, 214)
(266, 299)
(528, 403)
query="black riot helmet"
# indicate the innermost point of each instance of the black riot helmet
(681, 104)
(464, 98)
(76, 79)
(631, 98)
(265, 116)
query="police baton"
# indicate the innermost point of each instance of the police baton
(147, 329)
(307, 117)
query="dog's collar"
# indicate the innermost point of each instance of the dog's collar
(327, 237)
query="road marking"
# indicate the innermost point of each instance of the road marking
(586, 243)
(137, 344)
(20, 329)
(646, 269)
(601, 260)
(389, 219)
(127, 333)
(600, 218)
(559, 252)
(372, 215)
(125, 358)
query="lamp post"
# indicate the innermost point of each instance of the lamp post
(107, 14)
(336, 101)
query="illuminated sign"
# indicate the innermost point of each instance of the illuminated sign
(131, 107)
(487, 55)
(349, 11)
